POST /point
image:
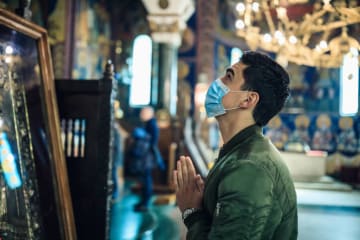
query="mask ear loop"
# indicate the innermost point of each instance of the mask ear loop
(238, 107)
(230, 109)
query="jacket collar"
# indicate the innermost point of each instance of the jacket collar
(239, 138)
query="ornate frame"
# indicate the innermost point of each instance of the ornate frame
(26, 82)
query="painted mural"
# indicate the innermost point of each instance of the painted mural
(92, 40)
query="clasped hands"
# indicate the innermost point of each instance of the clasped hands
(189, 186)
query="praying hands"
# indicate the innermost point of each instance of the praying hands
(189, 186)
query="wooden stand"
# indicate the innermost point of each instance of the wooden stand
(85, 108)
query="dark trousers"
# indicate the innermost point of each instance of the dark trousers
(147, 187)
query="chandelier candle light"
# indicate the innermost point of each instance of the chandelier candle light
(321, 38)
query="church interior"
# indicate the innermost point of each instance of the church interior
(75, 76)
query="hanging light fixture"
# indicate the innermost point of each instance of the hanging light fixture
(318, 36)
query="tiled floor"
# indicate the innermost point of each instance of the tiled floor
(330, 215)
(328, 198)
(328, 223)
(160, 222)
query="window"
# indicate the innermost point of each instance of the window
(236, 54)
(349, 84)
(140, 88)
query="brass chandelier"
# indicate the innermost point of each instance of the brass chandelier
(320, 38)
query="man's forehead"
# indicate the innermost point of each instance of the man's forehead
(238, 67)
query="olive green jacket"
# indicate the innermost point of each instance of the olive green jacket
(248, 193)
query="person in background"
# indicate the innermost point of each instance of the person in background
(151, 160)
(147, 116)
(248, 193)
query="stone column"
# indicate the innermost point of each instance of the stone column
(167, 19)
(167, 91)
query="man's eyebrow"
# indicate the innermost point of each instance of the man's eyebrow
(230, 70)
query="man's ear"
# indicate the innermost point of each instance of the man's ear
(251, 101)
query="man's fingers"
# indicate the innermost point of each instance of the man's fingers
(190, 167)
(179, 174)
(185, 171)
(191, 173)
(175, 180)
(199, 183)
(185, 176)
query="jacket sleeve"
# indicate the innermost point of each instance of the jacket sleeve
(198, 225)
(243, 203)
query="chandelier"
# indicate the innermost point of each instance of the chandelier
(319, 35)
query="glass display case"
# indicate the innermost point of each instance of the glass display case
(35, 201)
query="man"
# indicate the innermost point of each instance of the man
(147, 116)
(248, 194)
(151, 157)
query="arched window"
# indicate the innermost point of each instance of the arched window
(349, 84)
(140, 87)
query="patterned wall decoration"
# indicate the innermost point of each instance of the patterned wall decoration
(56, 29)
(92, 39)
(338, 136)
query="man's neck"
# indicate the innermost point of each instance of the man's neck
(231, 124)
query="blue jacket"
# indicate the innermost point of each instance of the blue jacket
(152, 129)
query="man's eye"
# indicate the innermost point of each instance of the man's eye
(228, 75)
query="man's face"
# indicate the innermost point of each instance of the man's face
(234, 80)
(146, 114)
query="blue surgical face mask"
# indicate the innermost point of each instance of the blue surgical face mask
(214, 96)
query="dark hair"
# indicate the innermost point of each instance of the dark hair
(270, 80)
